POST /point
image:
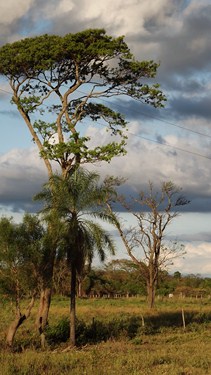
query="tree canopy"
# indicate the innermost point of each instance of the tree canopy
(66, 78)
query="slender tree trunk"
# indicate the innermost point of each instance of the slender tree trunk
(151, 294)
(17, 322)
(45, 298)
(80, 292)
(72, 305)
(152, 280)
(43, 312)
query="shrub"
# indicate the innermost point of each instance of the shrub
(58, 333)
(94, 332)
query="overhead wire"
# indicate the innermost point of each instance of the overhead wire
(157, 141)
(149, 139)
(157, 118)
(141, 112)
(169, 145)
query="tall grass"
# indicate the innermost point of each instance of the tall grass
(113, 340)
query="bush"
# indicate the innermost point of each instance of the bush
(58, 333)
(94, 332)
(128, 327)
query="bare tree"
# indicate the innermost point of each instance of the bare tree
(145, 243)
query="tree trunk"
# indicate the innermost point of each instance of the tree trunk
(43, 311)
(151, 295)
(72, 305)
(45, 295)
(17, 323)
(80, 293)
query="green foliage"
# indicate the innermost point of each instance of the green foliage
(76, 200)
(20, 246)
(59, 332)
(51, 66)
(94, 332)
(110, 282)
(56, 151)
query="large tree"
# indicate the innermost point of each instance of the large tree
(61, 82)
(145, 242)
(77, 200)
(65, 79)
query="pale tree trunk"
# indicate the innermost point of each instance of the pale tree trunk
(43, 312)
(80, 292)
(18, 321)
(45, 298)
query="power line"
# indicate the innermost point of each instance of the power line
(169, 145)
(149, 139)
(141, 112)
(163, 143)
(157, 118)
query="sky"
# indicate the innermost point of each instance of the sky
(172, 143)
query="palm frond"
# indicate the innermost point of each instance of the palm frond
(71, 201)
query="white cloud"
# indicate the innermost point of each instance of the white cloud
(12, 10)
(54, 9)
(127, 16)
(146, 161)
(196, 260)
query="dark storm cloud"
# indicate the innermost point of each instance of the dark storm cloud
(197, 237)
(156, 24)
(135, 110)
(183, 48)
(189, 50)
(20, 206)
(22, 176)
(187, 107)
(198, 202)
(46, 17)
(194, 84)
(18, 193)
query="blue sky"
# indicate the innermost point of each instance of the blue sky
(163, 144)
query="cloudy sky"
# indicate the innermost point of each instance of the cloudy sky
(168, 144)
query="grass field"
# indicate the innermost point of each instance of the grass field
(113, 339)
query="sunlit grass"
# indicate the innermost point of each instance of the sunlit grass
(161, 347)
(177, 354)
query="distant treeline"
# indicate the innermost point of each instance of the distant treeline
(122, 278)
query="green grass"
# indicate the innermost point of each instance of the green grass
(161, 347)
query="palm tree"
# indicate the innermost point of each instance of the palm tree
(77, 200)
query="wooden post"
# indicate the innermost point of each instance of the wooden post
(183, 319)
